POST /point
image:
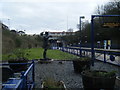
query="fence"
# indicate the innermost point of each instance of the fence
(24, 81)
(107, 56)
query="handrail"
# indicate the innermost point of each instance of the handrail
(97, 50)
(28, 70)
(22, 82)
(14, 63)
(18, 84)
(76, 51)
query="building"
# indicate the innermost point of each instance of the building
(57, 35)
(21, 33)
(55, 38)
(5, 27)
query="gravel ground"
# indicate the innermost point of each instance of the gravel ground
(58, 71)
(64, 71)
(106, 66)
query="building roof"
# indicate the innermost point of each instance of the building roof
(60, 32)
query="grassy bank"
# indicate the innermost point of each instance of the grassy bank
(12, 40)
(59, 55)
(37, 53)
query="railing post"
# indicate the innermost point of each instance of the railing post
(33, 71)
(77, 52)
(24, 84)
(74, 51)
(80, 52)
(68, 50)
(92, 40)
(104, 57)
(63, 49)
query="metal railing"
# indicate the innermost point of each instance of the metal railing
(25, 81)
(100, 54)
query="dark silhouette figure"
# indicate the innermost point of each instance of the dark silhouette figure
(45, 44)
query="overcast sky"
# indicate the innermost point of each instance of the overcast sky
(35, 16)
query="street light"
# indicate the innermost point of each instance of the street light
(81, 17)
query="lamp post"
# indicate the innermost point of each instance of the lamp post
(81, 17)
